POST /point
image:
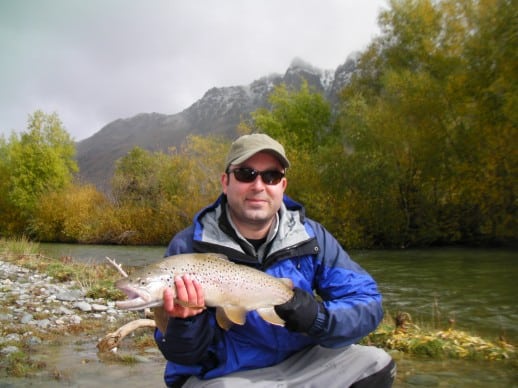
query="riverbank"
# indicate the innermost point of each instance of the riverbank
(40, 316)
(35, 300)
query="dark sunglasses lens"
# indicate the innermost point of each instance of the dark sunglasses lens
(271, 177)
(248, 175)
(245, 174)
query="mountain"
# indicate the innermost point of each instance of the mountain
(219, 112)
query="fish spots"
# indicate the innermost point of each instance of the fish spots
(233, 287)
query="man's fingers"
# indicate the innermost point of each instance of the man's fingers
(200, 301)
(168, 300)
(181, 290)
(189, 298)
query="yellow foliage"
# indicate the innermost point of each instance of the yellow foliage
(439, 343)
(75, 213)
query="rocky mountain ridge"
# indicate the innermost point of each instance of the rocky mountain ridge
(218, 112)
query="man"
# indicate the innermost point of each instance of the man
(254, 223)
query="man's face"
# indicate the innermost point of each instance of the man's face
(254, 204)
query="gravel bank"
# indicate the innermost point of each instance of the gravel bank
(34, 304)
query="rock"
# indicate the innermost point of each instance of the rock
(83, 306)
(12, 337)
(423, 380)
(6, 317)
(63, 310)
(56, 305)
(9, 349)
(43, 323)
(33, 341)
(140, 358)
(26, 318)
(69, 296)
(99, 307)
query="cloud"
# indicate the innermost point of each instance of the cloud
(98, 60)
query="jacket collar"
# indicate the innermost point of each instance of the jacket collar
(215, 233)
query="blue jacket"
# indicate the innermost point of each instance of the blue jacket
(300, 249)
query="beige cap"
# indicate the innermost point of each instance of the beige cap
(247, 146)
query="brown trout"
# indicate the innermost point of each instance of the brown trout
(231, 288)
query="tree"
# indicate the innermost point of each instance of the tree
(75, 214)
(159, 193)
(136, 177)
(428, 118)
(302, 121)
(298, 118)
(35, 162)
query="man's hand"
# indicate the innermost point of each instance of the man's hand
(299, 312)
(189, 299)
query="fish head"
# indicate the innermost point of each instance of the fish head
(142, 291)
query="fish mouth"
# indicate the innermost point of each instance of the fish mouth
(136, 299)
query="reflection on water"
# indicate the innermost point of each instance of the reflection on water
(475, 288)
(75, 363)
(126, 255)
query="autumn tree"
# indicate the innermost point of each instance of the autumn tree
(300, 119)
(33, 163)
(432, 141)
(158, 193)
(76, 213)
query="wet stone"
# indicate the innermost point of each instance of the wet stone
(31, 341)
(423, 380)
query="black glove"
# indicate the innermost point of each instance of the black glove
(299, 312)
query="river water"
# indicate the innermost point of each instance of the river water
(476, 288)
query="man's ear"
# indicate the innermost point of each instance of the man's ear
(224, 182)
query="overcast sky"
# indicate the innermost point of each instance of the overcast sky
(94, 61)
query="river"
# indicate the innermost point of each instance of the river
(476, 288)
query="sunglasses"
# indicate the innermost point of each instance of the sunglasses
(247, 175)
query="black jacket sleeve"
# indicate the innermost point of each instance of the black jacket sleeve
(186, 341)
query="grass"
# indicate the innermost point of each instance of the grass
(402, 335)
(96, 279)
(18, 246)
(19, 364)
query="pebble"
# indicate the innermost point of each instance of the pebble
(9, 349)
(99, 307)
(40, 301)
(26, 318)
(83, 306)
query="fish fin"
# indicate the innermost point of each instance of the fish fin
(288, 282)
(235, 314)
(222, 319)
(269, 315)
(219, 256)
(187, 304)
(161, 318)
